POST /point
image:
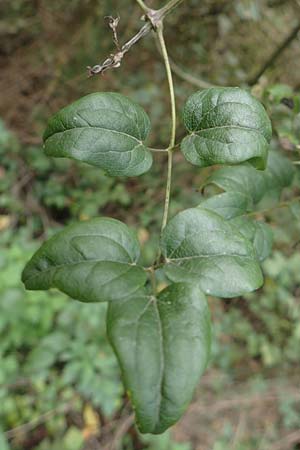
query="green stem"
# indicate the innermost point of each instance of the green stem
(172, 4)
(158, 150)
(153, 281)
(162, 12)
(173, 121)
(170, 81)
(168, 190)
(143, 6)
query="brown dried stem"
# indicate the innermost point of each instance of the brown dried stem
(152, 18)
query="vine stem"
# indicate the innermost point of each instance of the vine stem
(142, 5)
(158, 150)
(165, 55)
(168, 191)
(153, 280)
(172, 4)
(153, 19)
(171, 84)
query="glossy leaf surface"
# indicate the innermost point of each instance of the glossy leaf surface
(163, 346)
(226, 126)
(243, 179)
(233, 206)
(91, 261)
(256, 184)
(202, 247)
(259, 233)
(279, 174)
(103, 129)
(228, 204)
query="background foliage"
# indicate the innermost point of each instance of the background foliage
(59, 381)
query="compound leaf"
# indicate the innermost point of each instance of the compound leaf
(226, 126)
(202, 247)
(103, 129)
(163, 346)
(92, 261)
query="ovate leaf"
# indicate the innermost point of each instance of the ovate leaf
(103, 129)
(91, 261)
(244, 179)
(226, 126)
(233, 206)
(279, 174)
(228, 204)
(163, 346)
(259, 233)
(202, 247)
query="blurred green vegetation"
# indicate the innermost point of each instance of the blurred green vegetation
(60, 385)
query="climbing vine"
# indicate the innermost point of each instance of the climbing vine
(163, 339)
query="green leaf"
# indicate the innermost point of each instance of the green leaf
(226, 126)
(279, 174)
(233, 206)
(256, 184)
(92, 261)
(279, 91)
(202, 247)
(104, 129)
(228, 204)
(163, 346)
(243, 179)
(259, 233)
